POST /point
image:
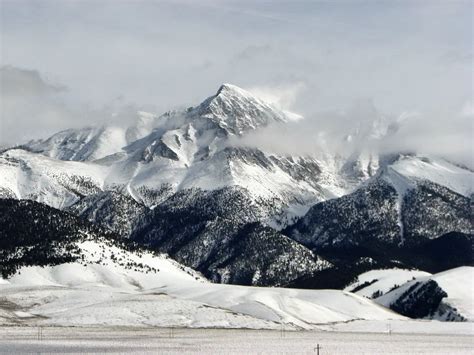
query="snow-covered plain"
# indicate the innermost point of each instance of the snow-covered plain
(224, 341)
(119, 301)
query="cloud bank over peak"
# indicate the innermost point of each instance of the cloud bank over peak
(364, 128)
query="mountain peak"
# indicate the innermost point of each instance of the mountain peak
(227, 88)
(237, 110)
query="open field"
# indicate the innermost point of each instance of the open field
(173, 341)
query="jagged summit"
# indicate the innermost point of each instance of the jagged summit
(236, 110)
(233, 89)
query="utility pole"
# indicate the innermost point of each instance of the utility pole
(317, 348)
(282, 331)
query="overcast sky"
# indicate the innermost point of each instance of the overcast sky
(73, 63)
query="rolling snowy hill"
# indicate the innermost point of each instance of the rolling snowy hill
(110, 286)
(375, 283)
(444, 296)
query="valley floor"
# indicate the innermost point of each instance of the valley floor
(181, 340)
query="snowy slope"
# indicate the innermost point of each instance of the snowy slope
(407, 170)
(382, 281)
(106, 293)
(26, 175)
(92, 143)
(302, 308)
(85, 144)
(115, 287)
(104, 264)
(457, 283)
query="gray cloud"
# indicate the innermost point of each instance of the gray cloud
(23, 82)
(32, 107)
(441, 134)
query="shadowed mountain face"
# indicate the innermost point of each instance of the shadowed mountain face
(214, 233)
(176, 183)
(377, 215)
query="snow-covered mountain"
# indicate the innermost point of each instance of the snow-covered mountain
(415, 212)
(184, 150)
(92, 143)
(191, 149)
(81, 144)
(177, 183)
